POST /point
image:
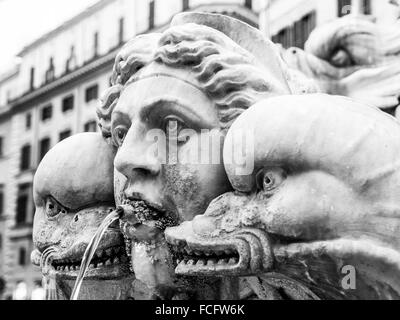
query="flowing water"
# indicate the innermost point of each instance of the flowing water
(49, 283)
(91, 249)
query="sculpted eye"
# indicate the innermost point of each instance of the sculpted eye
(119, 134)
(173, 126)
(268, 179)
(53, 208)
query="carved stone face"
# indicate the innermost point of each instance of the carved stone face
(168, 176)
(182, 188)
(73, 193)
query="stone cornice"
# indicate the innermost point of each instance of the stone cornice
(67, 24)
(105, 61)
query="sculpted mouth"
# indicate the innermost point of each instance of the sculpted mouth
(109, 257)
(110, 261)
(142, 212)
(204, 258)
(243, 253)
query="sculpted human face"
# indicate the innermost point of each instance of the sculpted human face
(170, 179)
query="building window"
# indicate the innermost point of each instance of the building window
(22, 256)
(121, 30)
(24, 204)
(32, 79)
(284, 37)
(302, 29)
(185, 5)
(25, 161)
(50, 74)
(367, 7)
(92, 93)
(28, 121)
(248, 4)
(296, 35)
(1, 200)
(71, 61)
(68, 103)
(96, 44)
(64, 135)
(1, 147)
(151, 13)
(90, 126)
(44, 148)
(344, 7)
(47, 112)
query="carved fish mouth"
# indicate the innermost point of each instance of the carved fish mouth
(204, 260)
(109, 262)
(242, 253)
(103, 261)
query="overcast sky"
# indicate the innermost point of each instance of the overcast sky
(23, 21)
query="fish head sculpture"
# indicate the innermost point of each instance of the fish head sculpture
(321, 198)
(355, 57)
(73, 193)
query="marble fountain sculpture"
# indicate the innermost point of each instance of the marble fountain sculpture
(300, 183)
(354, 57)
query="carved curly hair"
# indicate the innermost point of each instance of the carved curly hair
(230, 75)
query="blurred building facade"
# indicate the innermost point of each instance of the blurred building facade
(54, 90)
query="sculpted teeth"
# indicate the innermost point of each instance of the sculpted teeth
(210, 262)
(107, 257)
(194, 258)
(200, 263)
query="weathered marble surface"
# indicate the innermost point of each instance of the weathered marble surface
(354, 57)
(321, 196)
(322, 193)
(73, 193)
(200, 78)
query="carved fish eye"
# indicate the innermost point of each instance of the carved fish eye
(119, 134)
(53, 208)
(268, 179)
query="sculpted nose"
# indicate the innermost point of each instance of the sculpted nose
(136, 155)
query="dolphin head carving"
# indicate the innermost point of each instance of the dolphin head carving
(323, 194)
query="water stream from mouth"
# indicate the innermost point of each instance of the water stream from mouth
(91, 249)
(49, 283)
